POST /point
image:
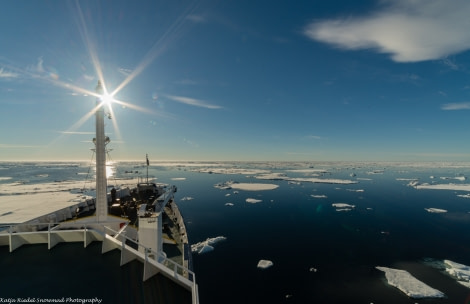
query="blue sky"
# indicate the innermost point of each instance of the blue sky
(238, 80)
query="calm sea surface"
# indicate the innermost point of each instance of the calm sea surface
(296, 231)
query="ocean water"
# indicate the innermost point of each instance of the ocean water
(298, 232)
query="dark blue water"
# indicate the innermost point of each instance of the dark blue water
(389, 227)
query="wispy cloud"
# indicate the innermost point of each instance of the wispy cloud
(7, 146)
(76, 132)
(409, 31)
(125, 72)
(7, 74)
(313, 137)
(197, 18)
(193, 102)
(456, 106)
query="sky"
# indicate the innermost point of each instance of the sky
(338, 80)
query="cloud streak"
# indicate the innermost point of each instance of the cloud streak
(6, 74)
(410, 31)
(193, 102)
(456, 106)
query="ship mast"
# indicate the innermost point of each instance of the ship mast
(100, 144)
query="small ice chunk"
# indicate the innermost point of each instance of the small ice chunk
(342, 205)
(228, 204)
(263, 264)
(253, 200)
(187, 198)
(228, 194)
(313, 269)
(318, 196)
(435, 210)
(460, 272)
(207, 245)
(408, 284)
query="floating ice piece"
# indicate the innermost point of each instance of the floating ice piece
(460, 178)
(207, 245)
(318, 196)
(263, 264)
(435, 210)
(272, 176)
(323, 180)
(455, 187)
(355, 190)
(254, 186)
(228, 194)
(229, 204)
(178, 178)
(313, 269)
(458, 271)
(187, 198)
(253, 200)
(408, 284)
(343, 207)
(464, 195)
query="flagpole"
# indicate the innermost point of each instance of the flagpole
(147, 157)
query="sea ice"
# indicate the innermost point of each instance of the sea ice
(263, 264)
(435, 210)
(187, 198)
(229, 204)
(318, 196)
(207, 245)
(178, 178)
(408, 284)
(253, 200)
(456, 187)
(343, 206)
(458, 271)
(254, 186)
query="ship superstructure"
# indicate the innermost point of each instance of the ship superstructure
(142, 220)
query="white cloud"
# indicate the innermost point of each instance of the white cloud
(196, 18)
(125, 72)
(456, 106)
(6, 74)
(408, 30)
(193, 102)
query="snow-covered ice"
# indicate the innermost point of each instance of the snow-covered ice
(253, 200)
(254, 186)
(318, 196)
(263, 264)
(207, 245)
(458, 271)
(187, 198)
(435, 210)
(456, 187)
(408, 284)
(343, 206)
(229, 204)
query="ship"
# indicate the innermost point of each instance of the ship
(143, 221)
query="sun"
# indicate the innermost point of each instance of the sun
(107, 99)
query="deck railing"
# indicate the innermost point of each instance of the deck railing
(179, 272)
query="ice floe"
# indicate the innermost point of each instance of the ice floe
(318, 196)
(187, 198)
(254, 186)
(264, 264)
(229, 204)
(435, 210)
(458, 271)
(456, 187)
(178, 178)
(253, 200)
(460, 178)
(408, 284)
(343, 206)
(207, 245)
(464, 195)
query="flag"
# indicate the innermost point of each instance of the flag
(147, 156)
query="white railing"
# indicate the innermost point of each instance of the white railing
(179, 273)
